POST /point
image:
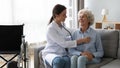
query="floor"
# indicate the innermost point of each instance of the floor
(30, 61)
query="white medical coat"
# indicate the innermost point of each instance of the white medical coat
(57, 40)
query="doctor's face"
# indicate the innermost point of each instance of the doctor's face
(62, 16)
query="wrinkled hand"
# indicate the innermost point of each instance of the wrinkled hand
(86, 40)
(88, 55)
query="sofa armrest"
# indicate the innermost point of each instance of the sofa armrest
(36, 56)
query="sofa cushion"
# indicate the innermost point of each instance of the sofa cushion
(38, 57)
(113, 64)
(119, 46)
(41, 64)
(119, 53)
(103, 62)
(110, 42)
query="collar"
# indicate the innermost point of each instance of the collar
(87, 31)
(56, 25)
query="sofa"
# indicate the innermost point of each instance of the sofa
(111, 45)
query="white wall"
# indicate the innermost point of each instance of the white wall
(5, 12)
(35, 14)
(97, 5)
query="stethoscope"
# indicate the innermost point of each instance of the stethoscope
(68, 32)
(70, 35)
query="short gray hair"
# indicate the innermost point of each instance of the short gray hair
(89, 15)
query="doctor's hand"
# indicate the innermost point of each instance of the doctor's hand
(83, 40)
(86, 40)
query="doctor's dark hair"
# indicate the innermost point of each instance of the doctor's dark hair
(56, 10)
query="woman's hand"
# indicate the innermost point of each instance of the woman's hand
(83, 40)
(86, 40)
(88, 55)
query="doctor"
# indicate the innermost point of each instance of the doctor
(58, 38)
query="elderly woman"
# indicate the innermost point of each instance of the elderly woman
(90, 51)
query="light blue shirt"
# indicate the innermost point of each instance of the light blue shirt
(94, 46)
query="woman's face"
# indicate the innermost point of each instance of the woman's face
(83, 20)
(61, 17)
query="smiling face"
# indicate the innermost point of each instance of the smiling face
(83, 20)
(62, 16)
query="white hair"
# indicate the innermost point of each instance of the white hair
(88, 13)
